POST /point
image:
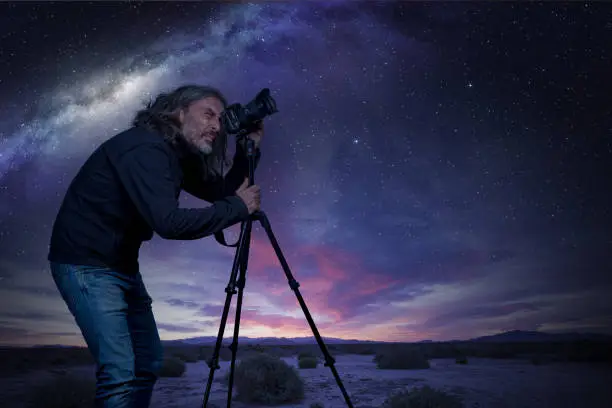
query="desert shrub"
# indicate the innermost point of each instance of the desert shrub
(188, 357)
(308, 362)
(461, 360)
(401, 360)
(187, 353)
(67, 390)
(266, 379)
(172, 367)
(422, 397)
(306, 354)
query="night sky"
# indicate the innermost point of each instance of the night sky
(435, 171)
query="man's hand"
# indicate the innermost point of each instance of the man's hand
(257, 134)
(250, 195)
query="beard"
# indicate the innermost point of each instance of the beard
(204, 148)
(199, 147)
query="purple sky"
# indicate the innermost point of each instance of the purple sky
(436, 171)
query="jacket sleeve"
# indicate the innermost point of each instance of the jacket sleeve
(147, 177)
(220, 187)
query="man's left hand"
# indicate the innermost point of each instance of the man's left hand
(257, 134)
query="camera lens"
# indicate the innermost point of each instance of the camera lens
(237, 118)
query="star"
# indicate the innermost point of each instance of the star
(388, 178)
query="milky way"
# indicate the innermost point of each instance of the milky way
(414, 190)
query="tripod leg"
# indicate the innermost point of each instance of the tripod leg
(329, 360)
(244, 259)
(230, 289)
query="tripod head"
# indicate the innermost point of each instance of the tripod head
(241, 121)
(242, 137)
(249, 145)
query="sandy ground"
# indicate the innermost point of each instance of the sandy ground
(481, 383)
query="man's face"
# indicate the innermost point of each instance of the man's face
(201, 123)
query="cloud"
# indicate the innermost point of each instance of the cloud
(169, 327)
(480, 312)
(188, 304)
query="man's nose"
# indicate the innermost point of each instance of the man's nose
(216, 125)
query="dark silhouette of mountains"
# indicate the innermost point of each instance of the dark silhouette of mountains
(267, 341)
(535, 336)
(514, 336)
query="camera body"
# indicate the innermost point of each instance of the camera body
(237, 119)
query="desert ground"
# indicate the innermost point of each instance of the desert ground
(482, 382)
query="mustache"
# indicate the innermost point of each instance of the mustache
(211, 132)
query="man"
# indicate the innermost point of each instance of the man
(127, 190)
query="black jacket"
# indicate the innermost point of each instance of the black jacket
(129, 188)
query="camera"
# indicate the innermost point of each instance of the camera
(241, 119)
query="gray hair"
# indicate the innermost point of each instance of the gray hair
(161, 116)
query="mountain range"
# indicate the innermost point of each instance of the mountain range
(514, 336)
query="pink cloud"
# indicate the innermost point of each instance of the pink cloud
(290, 326)
(341, 281)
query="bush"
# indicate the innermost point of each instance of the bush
(308, 362)
(306, 354)
(461, 360)
(187, 353)
(401, 360)
(266, 379)
(172, 367)
(188, 357)
(422, 397)
(64, 391)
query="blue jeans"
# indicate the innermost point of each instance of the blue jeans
(114, 313)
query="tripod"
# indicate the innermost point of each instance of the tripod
(240, 262)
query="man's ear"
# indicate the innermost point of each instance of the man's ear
(181, 116)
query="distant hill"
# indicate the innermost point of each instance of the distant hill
(513, 336)
(535, 336)
(265, 341)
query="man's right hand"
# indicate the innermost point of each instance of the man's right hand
(251, 196)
